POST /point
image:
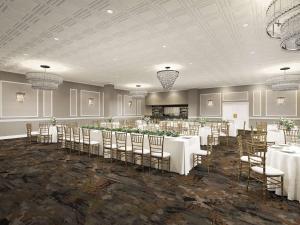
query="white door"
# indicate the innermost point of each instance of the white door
(236, 113)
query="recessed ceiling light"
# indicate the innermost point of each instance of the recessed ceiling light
(164, 46)
(110, 11)
(56, 39)
(252, 52)
(25, 54)
(245, 25)
(190, 63)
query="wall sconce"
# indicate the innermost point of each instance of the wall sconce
(91, 101)
(210, 102)
(280, 100)
(20, 97)
(130, 104)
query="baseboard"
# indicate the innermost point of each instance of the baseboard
(13, 136)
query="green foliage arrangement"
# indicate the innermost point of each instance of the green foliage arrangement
(137, 131)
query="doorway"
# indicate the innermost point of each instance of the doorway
(236, 113)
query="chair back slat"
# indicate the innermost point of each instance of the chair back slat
(156, 144)
(137, 141)
(86, 136)
(107, 138)
(76, 134)
(121, 140)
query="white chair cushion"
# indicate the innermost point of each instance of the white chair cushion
(77, 141)
(128, 148)
(92, 142)
(253, 159)
(112, 146)
(35, 133)
(223, 134)
(155, 154)
(270, 171)
(146, 151)
(202, 152)
(67, 139)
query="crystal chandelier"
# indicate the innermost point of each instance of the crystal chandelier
(167, 77)
(44, 80)
(138, 94)
(290, 33)
(283, 22)
(284, 82)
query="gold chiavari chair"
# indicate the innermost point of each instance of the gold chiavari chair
(89, 145)
(204, 157)
(269, 177)
(122, 148)
(108, 147)
(261, 127)
(194, 131)
(44, 135)
(225, 132)
(291, 136)
(31, 135)
(163, 125)
(157, 153)
(244, 161)
(68, 138)
(60, 136)
(138, 150)
(77, 139)
(215, 133)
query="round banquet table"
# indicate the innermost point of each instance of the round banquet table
(276, 136)
(289, 163)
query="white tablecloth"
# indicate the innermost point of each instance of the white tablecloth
(53, 132)
(180, 148)
(289, 163)
(203, 133)
(276, 136)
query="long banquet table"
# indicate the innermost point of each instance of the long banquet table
(287, 159)
(181, 150)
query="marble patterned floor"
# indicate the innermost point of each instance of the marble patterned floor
(42, 185)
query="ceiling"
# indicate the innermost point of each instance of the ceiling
(212, 43)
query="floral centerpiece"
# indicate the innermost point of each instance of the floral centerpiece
(147, 119)
(53, 121)
(202, 121)
(286, 124)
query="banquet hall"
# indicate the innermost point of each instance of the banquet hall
(142, 112)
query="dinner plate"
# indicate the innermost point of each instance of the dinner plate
(282, 144)
(276, 147)
(288, 150)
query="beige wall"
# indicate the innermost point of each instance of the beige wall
(167, 98)
(69, 102)
(262, 102)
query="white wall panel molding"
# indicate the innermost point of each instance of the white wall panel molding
(272, 118)
(256, 103)
(11, 114)
(98, 94)
(235, 96)
(47, 102)
(289, 108)
(73, 102)
(46, 119)
(211, 111)
(138, 107)
(129, 110)
(120, 104)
